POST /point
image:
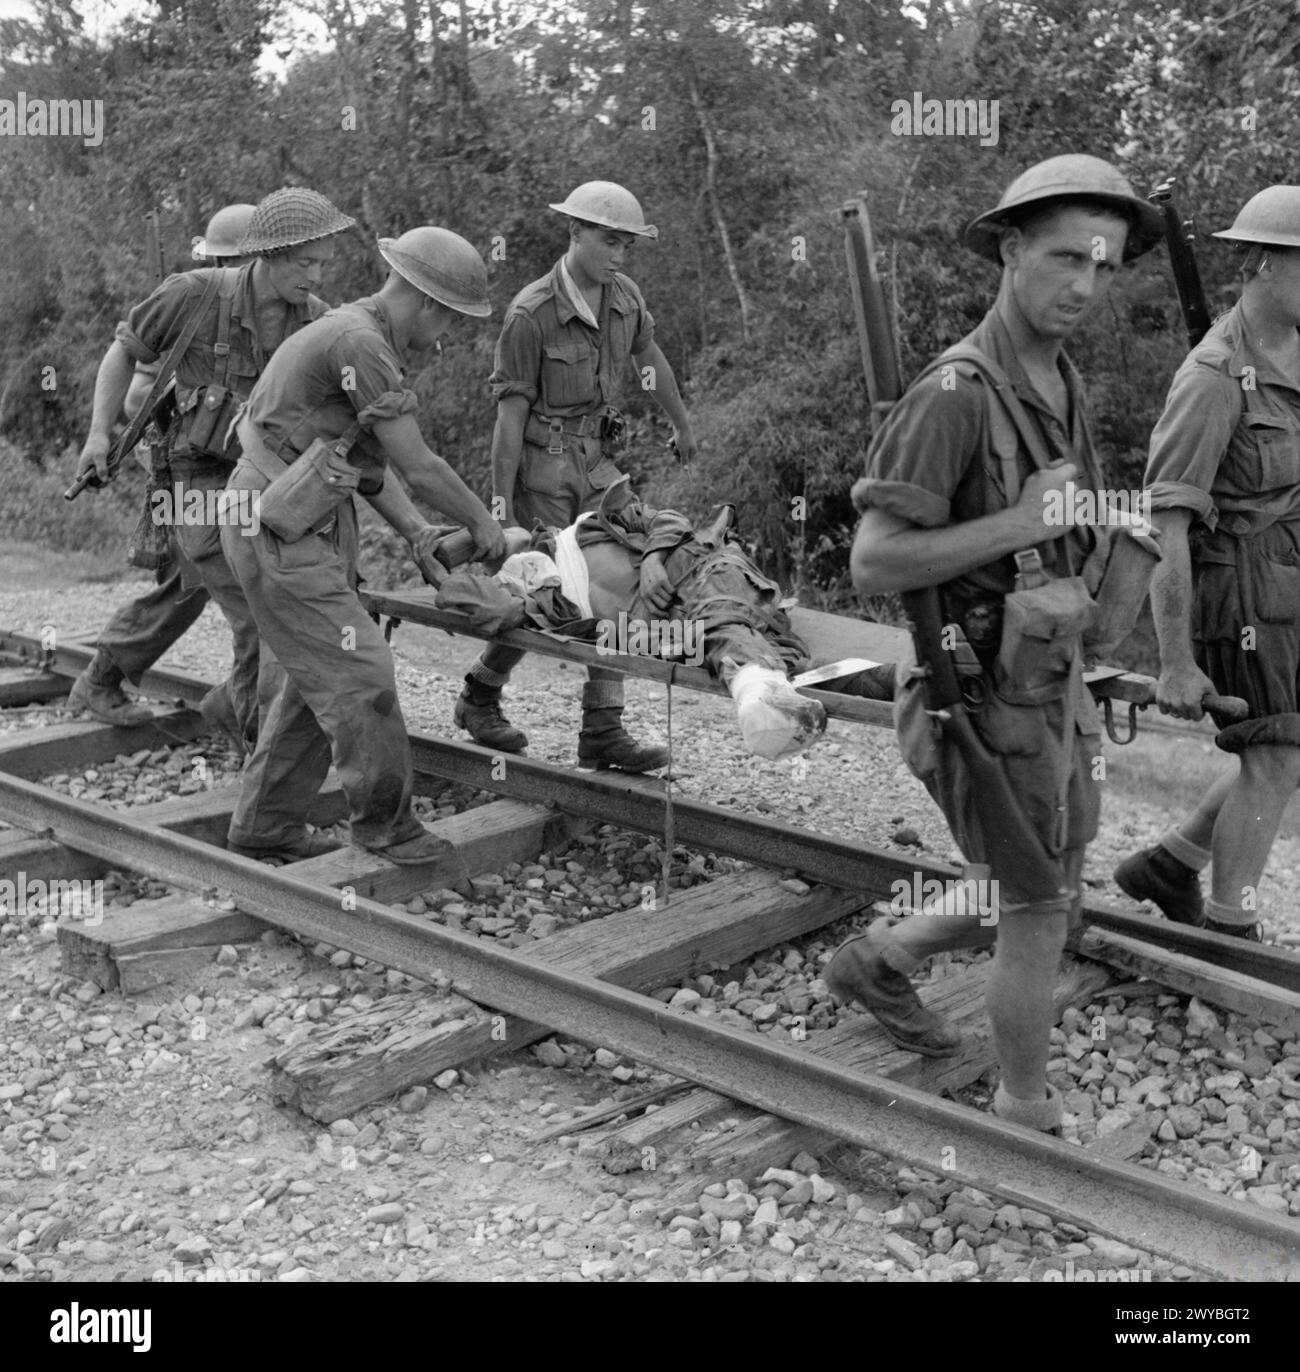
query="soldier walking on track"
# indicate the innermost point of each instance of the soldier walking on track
(1224, 477)
(328, 416)
(565, 340)
(146, 627)
(241, 317)
(954, 497)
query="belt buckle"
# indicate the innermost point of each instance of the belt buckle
(556, 445)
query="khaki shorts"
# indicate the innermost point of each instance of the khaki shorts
(1026, 739)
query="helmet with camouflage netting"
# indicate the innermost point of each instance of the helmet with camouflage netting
(290, 217)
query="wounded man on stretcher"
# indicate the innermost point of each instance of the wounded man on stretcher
(585, 582)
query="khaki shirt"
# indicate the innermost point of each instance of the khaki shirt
(342, 369)
(1228, 442)
(933, 462)
(550, 355)
(155, 324)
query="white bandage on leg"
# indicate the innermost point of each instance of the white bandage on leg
(775, 720)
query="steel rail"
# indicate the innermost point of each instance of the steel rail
(638, 803)
(1225, 1238)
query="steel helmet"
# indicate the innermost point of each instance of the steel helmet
(1272, 216)
(225, 229)
(442, 265)
(1072, 175)
(289, 217)
(609, 205)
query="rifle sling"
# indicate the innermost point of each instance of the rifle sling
(165, 373)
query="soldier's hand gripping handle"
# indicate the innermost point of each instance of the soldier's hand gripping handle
(424, 553)
(92, 466)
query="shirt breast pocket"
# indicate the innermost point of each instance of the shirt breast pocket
(1277, 449)
(568, 375)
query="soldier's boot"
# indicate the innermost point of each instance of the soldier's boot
(478, 711)
(604, 742)
(1156, 875)
(294, 850)
(98, 691)
(1033, 1114)
(866, 969)
(219, 715)
(1252, 933)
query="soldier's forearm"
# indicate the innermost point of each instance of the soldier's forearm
(393, 505)
(508, 447)
(664, 386)
(1171, 598)
(111, 385)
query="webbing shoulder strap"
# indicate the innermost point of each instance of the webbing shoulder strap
(167, 370)
(1008, 419)
(1007, 407)
(605, 361)
(226, 284)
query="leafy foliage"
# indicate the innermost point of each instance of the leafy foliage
(740, 124)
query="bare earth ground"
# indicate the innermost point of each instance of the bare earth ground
(182, 1160)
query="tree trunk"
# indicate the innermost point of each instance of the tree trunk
(711, 190)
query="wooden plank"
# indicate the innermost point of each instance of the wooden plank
(858, 638)
(370, 1056)
(141, 972)
(71, 747)
(20, 686)
(204, 815)
(832, 637)
(758, 1140)
(1176, 971)
(484, 839)
(93, 951)
(710, 926)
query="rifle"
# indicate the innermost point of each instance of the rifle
(1014, 839)
(1180, 236)
(126, 441)
(153, 248)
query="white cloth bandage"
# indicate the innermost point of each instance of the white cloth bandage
(775, 720)
(575, 580)
(527, 573)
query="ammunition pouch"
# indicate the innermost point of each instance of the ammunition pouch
(1041, 628)
(206, 422)
(302, 499)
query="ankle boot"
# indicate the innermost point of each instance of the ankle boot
(862, 970)
(98, 691)
(604, 742)
(478, 711)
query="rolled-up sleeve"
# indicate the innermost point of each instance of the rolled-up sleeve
(645, 333)
(376, 390)
(924, 451)
(1190, 440)
(154, 324)
(517, 367)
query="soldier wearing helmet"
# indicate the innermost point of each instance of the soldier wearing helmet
(329, 415)
(1224, 476)
(252, 309)
(565, 341)
(956, 493)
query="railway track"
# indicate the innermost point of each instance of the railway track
(590, 984)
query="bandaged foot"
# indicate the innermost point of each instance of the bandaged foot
(775, 720)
